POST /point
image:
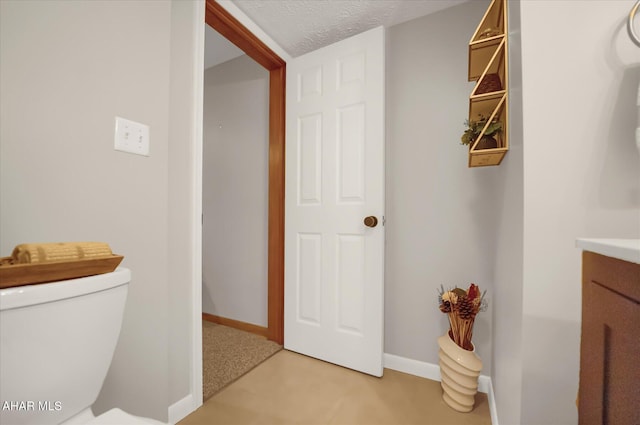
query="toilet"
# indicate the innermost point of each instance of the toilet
(57, 342)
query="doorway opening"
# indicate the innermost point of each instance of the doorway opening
(230, 28)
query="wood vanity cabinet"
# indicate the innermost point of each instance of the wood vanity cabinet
(610, 345)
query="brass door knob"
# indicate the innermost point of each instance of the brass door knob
(370, 221)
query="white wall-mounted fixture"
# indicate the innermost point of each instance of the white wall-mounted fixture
(638, 127)
(632, 33)
(132, 137)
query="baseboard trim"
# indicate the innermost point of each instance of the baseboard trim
(412, 367)
(236, 324)
(181, 409)
(493, 409)
(432, 371)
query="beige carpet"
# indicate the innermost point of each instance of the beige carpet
(228, 353)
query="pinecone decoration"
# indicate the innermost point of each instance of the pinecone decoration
(445, 307)
(465, 308)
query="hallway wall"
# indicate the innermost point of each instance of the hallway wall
(235, 191)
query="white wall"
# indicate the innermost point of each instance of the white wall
(235, 191)
(66, 70)
(581, 179)
(441, 215)
(183, 268)
(507, 289)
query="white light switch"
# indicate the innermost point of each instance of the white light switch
(131, 137)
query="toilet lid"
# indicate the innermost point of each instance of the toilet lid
(119, 417)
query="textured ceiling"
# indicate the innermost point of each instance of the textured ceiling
(300, 26)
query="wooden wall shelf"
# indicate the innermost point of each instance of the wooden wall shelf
(485, 157)
(488, 65)
(480, 52)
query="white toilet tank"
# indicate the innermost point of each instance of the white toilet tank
(57, 342)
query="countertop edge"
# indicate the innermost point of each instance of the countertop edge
(622, 249)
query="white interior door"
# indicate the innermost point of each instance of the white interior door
(334, 263)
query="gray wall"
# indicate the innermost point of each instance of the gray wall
(511, 229)
(66, 70)
(580, 177)
(441, 215)
(235, 191)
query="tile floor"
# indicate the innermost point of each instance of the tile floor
(290, 388)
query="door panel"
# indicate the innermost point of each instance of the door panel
(334, 264)
(309, 269)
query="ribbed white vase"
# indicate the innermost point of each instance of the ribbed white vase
(459, 369)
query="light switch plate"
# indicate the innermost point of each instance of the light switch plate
(132, 137)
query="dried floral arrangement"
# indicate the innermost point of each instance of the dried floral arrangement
(462, 307)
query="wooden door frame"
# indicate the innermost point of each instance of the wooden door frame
(230, 28)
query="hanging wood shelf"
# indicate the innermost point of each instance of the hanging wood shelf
(484, 157)
(488, 66)
(480, 53)
(493, 75)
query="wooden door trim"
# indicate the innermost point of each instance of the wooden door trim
(237, 324)
(229, 27)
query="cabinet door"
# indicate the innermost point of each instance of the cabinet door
(609, 357)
